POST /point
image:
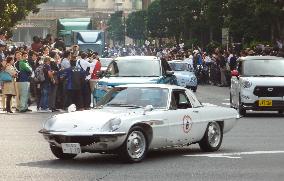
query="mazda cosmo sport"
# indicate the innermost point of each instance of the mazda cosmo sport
(132, 119)
(258, 84)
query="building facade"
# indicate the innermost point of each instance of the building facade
(45, 22)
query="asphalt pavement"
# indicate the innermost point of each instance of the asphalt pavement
(253, 150)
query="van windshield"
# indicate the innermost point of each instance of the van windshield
(265, 68)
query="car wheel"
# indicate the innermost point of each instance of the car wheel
(241, 110)
(135, 147)
(212, 138)
(194, 89)
(58, 153)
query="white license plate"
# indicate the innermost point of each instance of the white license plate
(72, 148)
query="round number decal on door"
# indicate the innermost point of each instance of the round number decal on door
(187, 123)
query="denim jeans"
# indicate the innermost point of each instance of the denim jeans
(24, 89)
(45, 89)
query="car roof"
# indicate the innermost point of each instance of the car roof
(165, 86)
(137, 58)
(261, 58)
(177, 61)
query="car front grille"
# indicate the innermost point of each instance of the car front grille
(83, 140)
(269, 91)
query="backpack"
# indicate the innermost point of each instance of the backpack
(39, 74)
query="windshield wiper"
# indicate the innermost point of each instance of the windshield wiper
(124, 105)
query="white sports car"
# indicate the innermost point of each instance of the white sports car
(132, 119)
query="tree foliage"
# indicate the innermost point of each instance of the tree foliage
(202, 20)
(136, 26)
(12, 11)
(116, 27)
(156, 22)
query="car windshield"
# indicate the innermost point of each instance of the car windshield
(135, 97)
(105, 61)
(135, 68)
(179, 66)
(263, 68)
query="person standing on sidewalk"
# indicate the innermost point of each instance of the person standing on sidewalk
(24, 82)
(9, 89)
(85, 66)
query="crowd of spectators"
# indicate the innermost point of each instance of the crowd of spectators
(48, 75)
(53, 77)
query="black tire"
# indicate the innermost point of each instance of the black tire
(125, 150)
(205, 144)
(194, 89)
(58, 153)
(231, 102)
(241, 110)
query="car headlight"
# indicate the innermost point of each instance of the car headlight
(49, 123)
(112, 125)
(247, 84)
(193, 79)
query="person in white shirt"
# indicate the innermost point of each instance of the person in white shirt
(86, 89)
(65, 63)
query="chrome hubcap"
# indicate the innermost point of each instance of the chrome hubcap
(136, 144)
(214, 134)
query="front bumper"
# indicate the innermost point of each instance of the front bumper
(89, 141)
(276, 105)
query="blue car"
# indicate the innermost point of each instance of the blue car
(134, 70)
(185, 74)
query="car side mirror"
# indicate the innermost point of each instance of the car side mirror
(235, 73)
(148, 108)
(169, 73)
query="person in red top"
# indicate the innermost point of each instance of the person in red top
(97, 68)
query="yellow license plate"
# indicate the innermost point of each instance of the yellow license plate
(265, 103)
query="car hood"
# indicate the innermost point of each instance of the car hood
(114, 81)
(90, 120)
(182, 74)
(265, 81)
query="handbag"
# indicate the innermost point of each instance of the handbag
(5, 77)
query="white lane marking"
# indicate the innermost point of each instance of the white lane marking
(227, 99)
(227, 104)
(234, 154)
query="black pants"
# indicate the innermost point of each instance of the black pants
(86, 94)
(8, 102)
(75, 97)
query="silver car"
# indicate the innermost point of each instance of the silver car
(132, 119)
(184, 73)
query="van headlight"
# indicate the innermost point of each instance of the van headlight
(112, 125)
(247, 84)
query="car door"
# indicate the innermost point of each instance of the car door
(181, 118)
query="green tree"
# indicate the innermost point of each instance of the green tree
(136, 26)
(172, 11)
(156, 23)
(12, 11)
(241, 20)
(116, 27)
